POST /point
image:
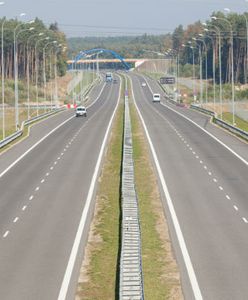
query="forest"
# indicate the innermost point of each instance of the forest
(220, 28)
(32, 39)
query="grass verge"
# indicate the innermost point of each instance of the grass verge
(99, 273)
(240, 123)
(161, 275)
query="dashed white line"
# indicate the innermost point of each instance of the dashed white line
(235, 207)
(15, 220)
(24, 207)
(194, 152)
(197, 156)
(215, 180)
(51, 168)
(228, 197)
(37, 188)
(55, 162)
(58, 158)
(31, 198)
(221, 188)
(245, 220)
(209, 173)
(47, 174)
(205, 167)
(6, 234)
(42, 181)
(201, 161)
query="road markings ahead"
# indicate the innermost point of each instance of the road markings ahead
(182, 244)
(52, 167)
(74, 252)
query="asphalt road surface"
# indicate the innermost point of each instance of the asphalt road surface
(204, 193)
(42, 199)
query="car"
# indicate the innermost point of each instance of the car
(156, 98)
(143, 84)
(81, 111)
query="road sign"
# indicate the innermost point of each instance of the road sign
(167, 80)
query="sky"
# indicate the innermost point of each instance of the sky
(118, 17)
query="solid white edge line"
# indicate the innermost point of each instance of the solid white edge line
(182, 244)
(44, 137)
(69, 269)
(204, 130)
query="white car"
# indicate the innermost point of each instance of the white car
(143, 84)
(81, 111)
(156, 98)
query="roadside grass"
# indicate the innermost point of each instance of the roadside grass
(99, 274)
(161, 275)
(240, 123)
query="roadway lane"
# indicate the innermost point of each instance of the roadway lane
(42, 199)
(239, 145)
(208, 188)
(40, 129)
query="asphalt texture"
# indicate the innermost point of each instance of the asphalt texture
(208, 187)
(42, 198)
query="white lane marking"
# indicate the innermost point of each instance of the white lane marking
(203, 129)
(235, 207)
(37, 188)
(245, 220)
(47, 135)
(209, 173)
(58, 158)
(197, 156)
(55, 162)
(75, 248)
(47, 174)
(194, 152)
(15, 220)
(228, 197)
(31, 198)
(64, 149)
(24, 207)
(201, 161)
(190, 149)
(51, 168)
(34, 146)
(221, 188)
(215, 180)
(6, 234)
(182, 244)
(205, 167)
(42, 181)
(61, 153)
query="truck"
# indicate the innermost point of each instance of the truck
(109, 77)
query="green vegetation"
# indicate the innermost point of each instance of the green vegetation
(161, 277)
(103, 242)
(240, 123)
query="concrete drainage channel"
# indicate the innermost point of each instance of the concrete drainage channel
(131, 278)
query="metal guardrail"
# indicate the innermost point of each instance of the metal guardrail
(239, 132)
(205, 111)
(18, 133)
(131, 279)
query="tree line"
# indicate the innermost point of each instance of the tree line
(27, 36)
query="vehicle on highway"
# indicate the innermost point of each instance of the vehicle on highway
(81, 111)
(108, 77)
(156, 98)
(143, 84)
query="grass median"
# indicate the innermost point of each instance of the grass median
(160, 271)
(99, 274)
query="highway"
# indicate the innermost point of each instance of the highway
(204, 191)
(47, 183)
